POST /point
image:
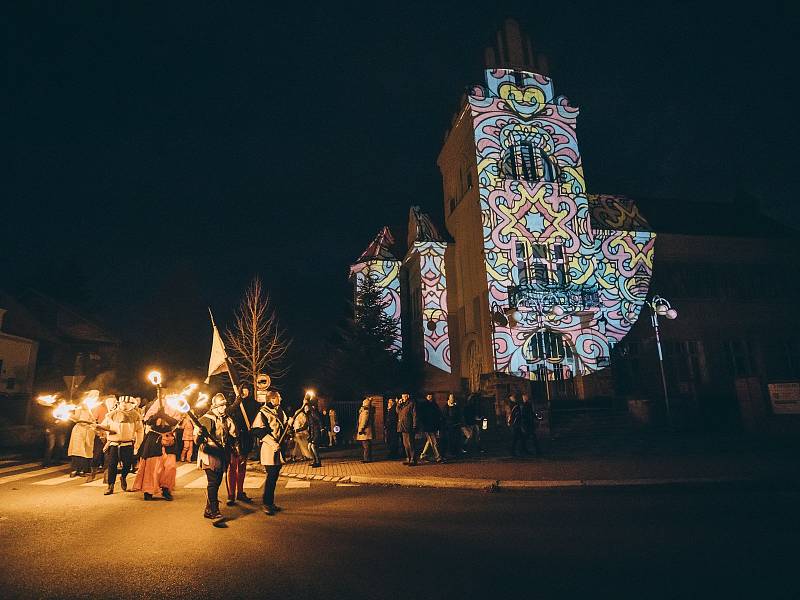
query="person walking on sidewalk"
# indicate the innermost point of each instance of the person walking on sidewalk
(365, 429)
(473, 421)
(431, 419)
(406, 426)
(529, 422)
(269, 426)
(390, 435)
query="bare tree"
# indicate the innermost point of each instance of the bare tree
(256, 341)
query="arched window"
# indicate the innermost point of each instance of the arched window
(525, 161)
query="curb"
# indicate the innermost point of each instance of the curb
(494, 484)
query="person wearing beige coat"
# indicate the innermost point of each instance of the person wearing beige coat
(365, 431)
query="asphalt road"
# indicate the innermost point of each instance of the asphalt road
(68, 540)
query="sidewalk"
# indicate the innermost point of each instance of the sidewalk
(660, 461)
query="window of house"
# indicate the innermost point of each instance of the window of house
(559, 266)
(539, 256)
(547, 345)
(524, 161)
(10, 383)
(469, 178)
(1, 366)
(522, 263)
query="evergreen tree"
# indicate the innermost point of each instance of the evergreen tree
(362, 359)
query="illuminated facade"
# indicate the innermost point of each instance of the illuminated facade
(545, 290)
(378, 262)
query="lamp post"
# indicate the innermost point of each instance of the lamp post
(660, 307)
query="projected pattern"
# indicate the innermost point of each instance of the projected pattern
(536, 220)
(430, 248)
(378, 262)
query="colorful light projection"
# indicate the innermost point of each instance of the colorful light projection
(568, 289)
(429, 247)
(378, 262)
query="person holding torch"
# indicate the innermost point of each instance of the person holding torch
(271, 426)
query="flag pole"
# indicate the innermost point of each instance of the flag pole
(230, 369)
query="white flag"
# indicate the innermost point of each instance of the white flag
(217, 363)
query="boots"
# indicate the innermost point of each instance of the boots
(92, 473)
(109, 491)
(123, 484)
(166, 493)
(212, 510)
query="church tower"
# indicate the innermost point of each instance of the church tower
(535, 290)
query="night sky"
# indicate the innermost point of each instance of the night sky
(163, 154)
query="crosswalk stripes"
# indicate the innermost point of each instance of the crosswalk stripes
(19, 467)
(29, 474)
(347, 485)
(54, 480)
(251, 482)
(294, 483)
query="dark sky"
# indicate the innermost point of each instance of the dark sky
(163, 154)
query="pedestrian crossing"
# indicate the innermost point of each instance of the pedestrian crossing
(188, 476)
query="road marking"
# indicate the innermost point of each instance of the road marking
(185, 470)
(298, 484)
(36, 473)
(253, 482)
(96, 483)
(54, 480)
(19, 467)
(198, 483)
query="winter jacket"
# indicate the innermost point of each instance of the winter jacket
(430, 416)
(209, 455)
(406, 417)
(390, 420)
(366, 424)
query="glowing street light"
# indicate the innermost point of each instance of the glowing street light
(660, 307)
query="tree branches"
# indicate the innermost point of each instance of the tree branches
(256, 342)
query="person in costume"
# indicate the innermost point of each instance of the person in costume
(269, 427)
(157, 467)
(215, 440)
(239, 450)
(124, 436)
(81, 440)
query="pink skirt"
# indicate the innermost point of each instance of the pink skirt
(156, 473)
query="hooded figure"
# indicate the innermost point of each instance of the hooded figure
(269, 427)
(125, 434)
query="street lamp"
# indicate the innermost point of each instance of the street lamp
(660, 307)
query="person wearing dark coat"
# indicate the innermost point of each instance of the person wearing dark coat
(390, 436)
(528, 415)
(431, 418)
(516, 421)
(406, 426)
(453, 427)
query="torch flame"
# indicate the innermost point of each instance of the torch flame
(310, 393)
(154, 377)
(187, 391)
(202, 400)
(178, 402)
(63, 411)
(92, 399)
(47, 399)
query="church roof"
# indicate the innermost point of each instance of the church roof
(378, 249)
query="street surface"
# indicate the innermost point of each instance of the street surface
(62, 538)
